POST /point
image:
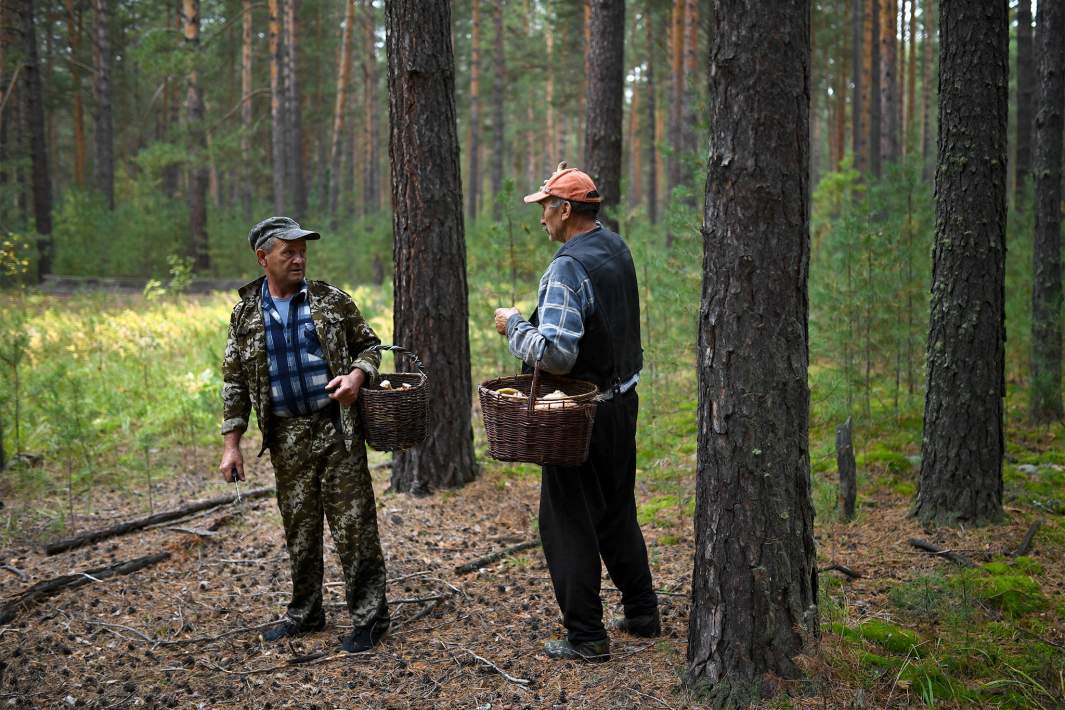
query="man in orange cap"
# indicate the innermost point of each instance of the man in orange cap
(587, 326)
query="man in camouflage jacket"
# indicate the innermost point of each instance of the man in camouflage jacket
(298, 353)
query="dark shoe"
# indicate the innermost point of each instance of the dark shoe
(289, 627)
(591, 651)
(647, 626)
(365, 638)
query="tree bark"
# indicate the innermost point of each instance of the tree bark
(332, 179)
(651, 119)
(1026, 95)
(104, 135)
(431, 315)
(606, 86)
(754, 586)
(473, 185)
(961, 461)
(926, 87)
(857, 110)
(198, 177)
(294, 106)
(875, 97)
(277, 109)
(498, 115)
(78, 112)
(848, 472)
(677, 87)
(889, 88)
(246, 110)
(172, 110)
(1046, 258)
(911, 88)
(372, 176)
(38, 153)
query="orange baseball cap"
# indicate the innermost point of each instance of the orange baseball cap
(567, 184)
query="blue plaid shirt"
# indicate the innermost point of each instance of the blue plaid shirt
(298, 370)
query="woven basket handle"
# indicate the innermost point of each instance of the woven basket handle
(402, 351)
(535, 385)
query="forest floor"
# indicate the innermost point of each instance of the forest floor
(184, 632)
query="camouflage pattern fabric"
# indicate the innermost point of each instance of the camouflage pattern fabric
(345, 337)
(317, 474)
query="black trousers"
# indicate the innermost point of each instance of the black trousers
(588, 512)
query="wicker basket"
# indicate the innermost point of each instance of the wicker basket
(531, 430)
(396, 419)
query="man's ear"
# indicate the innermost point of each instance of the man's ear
(261, 256)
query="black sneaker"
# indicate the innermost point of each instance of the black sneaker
(647, 626)
(590, 651)
(289, 627)
(365, 638)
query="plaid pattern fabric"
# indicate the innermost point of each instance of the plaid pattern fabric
(565, 300)
(298, 369)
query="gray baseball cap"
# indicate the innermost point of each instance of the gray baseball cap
(281, 227)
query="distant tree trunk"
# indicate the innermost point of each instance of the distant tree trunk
(297, 183)
(332, 179)
(633, 139)
(74, 34)
(198, 177)
(1046, 258)
(104, 134)
(499, 89)
(431, 315)
(246, 111)
(911, 87)
(1026, 90)
(929, 23)
(606, 86)
(889, 93)
(172, 111)
(582, 96)
(688, 117)
(875, 98)
(961, 462)
(4, 121)
(839, 98)
(38, 149)
(550, 139)
(754, 585)
(473, 186)
(857, 110)
(372, 195)
(677, 87)
(651, 109)
(277, 109)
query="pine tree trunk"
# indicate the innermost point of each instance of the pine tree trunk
(332, 176)
(550, 139)
(690, 138)
(372, 195)
(498, 114)
(582, 96)
(78, 113)
(198, 177)
(172, 112)
(297, 180)
(277, 109)
(754, 586)
(606, 85)
(961, 462)
(911, 87)
(246, 110)
(651, 118)
(857, 108)
(473, 186)
(889, 94)
(1026, 96)
(1046, 258)
(38, 149)
(875, 97)
(677, 87)
(928, 18)
(431, 313)
(103, 135)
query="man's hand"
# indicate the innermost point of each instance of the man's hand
(345, 388)
(502, 316)
(232, 466)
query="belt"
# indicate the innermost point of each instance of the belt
(619, 388)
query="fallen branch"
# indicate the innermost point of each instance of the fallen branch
(14, 570)
(94, 536)
(199, 532)
(180, 642)
(51, 587)
(846, 571)
(518, 681)
(942, 552)
(1029, 536)
(311, 659)
(495, 556)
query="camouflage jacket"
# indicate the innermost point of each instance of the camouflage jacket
(345, 336)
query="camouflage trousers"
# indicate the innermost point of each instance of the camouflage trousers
(316, 475)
